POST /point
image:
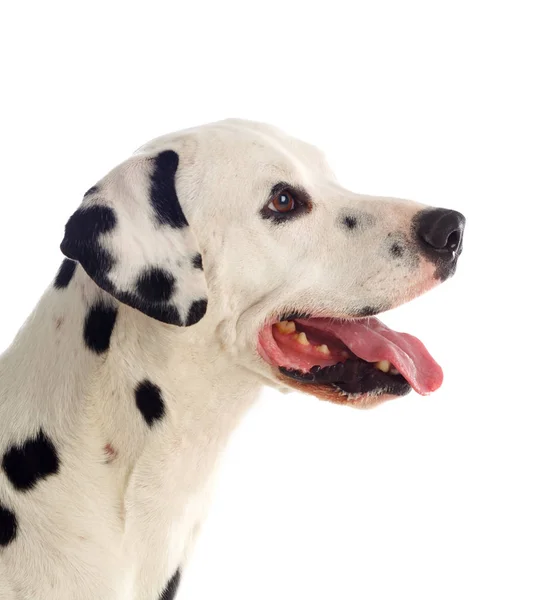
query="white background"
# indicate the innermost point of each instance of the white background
(422, 498)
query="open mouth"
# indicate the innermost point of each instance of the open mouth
(348, 360)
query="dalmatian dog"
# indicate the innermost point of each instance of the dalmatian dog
(212, 262)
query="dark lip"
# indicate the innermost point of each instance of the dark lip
(366, 311)
(294, 315)
(353, 377)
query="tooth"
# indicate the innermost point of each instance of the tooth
(302, 339)
(281, 326)
(393, 371)
(286, 326)
(323, 349)
(383, 365)
(345, 354)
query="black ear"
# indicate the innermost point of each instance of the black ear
(132, 238)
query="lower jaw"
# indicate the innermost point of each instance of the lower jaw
(332, 394)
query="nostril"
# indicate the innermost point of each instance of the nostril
(453, 241)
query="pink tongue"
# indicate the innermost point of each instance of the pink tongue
(372, 341)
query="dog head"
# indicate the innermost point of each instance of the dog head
(296, 265)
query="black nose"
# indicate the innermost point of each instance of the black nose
(441, 232)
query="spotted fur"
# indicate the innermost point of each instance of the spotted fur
(65, 274)
(120, 393)
(99, 325)
(149, 401)
(33, 461)
(100, 232)
(172, 586)
(8, 526)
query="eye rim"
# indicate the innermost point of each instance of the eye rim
(302, 202)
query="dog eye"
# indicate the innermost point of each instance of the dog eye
(282, 202)
(285, 203)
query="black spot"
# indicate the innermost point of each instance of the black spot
(81, 241)
(90, 222)
(98, 326)
(8, 526)
(65, 274)
(196, 312)
(359, 221)
(155, 285)
(171, 588)
(350, 222)
(397, 250)
(149, 401)
(92, 190)
(197, 261)
(36, 459)
(163, 192)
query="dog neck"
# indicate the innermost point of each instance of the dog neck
(132, 470)
(77, 366)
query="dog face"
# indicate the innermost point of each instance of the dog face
(295, 264)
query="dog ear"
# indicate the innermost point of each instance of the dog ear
(131, 237)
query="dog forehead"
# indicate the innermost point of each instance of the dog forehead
(244, 143)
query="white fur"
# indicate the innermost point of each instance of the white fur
(118, 529)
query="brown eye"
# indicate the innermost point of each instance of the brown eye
(283, 202)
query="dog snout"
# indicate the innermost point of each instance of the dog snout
(440, 232)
